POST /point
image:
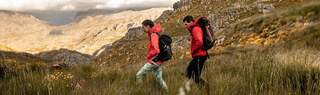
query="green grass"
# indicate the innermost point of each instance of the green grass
(240, 72)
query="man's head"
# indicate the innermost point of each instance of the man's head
(188, 20)
(147, 25)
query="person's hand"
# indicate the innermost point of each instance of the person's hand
(155, 63)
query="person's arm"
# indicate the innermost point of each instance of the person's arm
(197, 36)
(155, 45)
(155, 42)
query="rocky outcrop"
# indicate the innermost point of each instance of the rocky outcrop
(234, 13)
(269, 28)
(182, 5)
(64, 56)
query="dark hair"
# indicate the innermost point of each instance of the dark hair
(188, 19)
(148, 23)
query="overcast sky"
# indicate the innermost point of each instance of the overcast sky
(67, 5)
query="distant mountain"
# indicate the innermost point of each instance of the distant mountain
(66, 17)
(26, 33)
(55, 17)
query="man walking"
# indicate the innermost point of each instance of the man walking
(199, 54)
(153, 64)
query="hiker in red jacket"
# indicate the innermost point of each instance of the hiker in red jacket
(199, 55)
(153, 50)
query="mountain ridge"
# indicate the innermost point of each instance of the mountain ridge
(93, 31)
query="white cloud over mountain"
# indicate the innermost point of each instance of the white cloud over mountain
(23, 5)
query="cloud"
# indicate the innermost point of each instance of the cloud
(23, 5)
(30, 4)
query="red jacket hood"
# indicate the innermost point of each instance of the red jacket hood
(156, 28)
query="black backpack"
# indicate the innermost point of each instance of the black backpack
(165, 48)
(208, 39)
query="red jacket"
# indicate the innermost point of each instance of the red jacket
(153, 43)
(196, 40)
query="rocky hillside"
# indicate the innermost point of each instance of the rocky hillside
(25, 33)
(237, 24)
(264, 47)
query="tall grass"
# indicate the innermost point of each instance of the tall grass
(240, 72)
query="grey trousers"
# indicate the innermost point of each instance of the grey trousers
(156, 71)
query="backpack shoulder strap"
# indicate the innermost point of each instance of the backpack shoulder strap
(154, 33)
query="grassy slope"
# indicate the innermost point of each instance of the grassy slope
(19, 69)
(279, 69)
(274, 70)
(285, 68)
(125, 52)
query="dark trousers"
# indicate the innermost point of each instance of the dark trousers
(195, 68)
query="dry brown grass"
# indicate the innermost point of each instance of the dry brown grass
(273, 70)
(288, 67)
